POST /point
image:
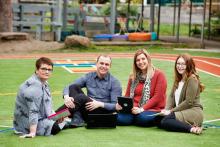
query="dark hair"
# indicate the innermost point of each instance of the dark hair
(190, 69)
(43, 60)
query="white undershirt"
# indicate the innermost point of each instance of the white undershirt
(178, 92)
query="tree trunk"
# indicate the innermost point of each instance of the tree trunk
(5, 16)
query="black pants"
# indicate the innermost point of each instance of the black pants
(80, 99)
(55, 129)
(170, 123)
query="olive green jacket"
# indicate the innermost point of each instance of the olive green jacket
(189, 109)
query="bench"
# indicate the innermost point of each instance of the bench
(4, 36)
(38, 25)
(37, 18)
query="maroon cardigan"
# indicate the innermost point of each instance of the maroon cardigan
(157, 92)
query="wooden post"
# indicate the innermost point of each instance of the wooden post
(38, 32)
(174, 17)
(113, 16)
(128, 15)
(158, 23)
(210, 15)
(190, 18)
(41, 26)
(64, 14)
(57, 20)
(142, 14)
(76, 22)
(5, 16)
(21, 17)
(151, 16)
(178, 22)
(203, 26)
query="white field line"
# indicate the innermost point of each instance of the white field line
(214, 120)
(208, 62)
(3, 126)
(164, 57)
(197, 68)
(209, 73)
(67, 69)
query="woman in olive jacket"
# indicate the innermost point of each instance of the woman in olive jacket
(183, 111)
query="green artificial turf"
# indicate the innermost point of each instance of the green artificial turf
(14, 72)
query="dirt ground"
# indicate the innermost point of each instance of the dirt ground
(27, 46)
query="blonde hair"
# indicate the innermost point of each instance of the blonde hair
(150, 67)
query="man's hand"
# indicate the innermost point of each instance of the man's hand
(69, 101)
(93, 105)
(118, 107)
(136, 110)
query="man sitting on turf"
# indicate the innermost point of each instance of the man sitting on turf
(102, 92)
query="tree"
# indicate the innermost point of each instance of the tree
(5, 16)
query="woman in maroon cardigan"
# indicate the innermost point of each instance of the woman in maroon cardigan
(147, 87)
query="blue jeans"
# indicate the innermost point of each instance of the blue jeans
(142, 119)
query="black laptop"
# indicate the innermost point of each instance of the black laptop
(126, 104)
(107, 120)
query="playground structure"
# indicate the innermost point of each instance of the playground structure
(59, 18)
(137, 36)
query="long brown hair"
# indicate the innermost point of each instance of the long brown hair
(150, 67)
(190, 69)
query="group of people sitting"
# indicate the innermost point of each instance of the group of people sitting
(147, 85)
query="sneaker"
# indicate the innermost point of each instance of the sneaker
(77, 120)
(61, 125)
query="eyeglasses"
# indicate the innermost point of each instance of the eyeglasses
(180, 64)
(46, 69)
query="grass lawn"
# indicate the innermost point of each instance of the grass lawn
(131, 49)
(14, 72)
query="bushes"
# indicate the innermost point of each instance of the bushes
(122, 10)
